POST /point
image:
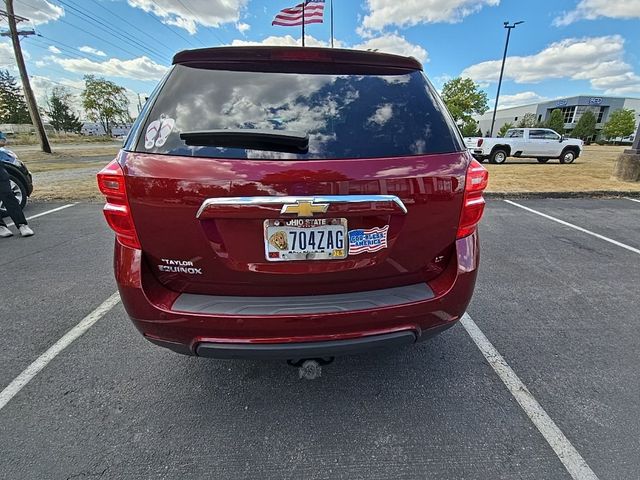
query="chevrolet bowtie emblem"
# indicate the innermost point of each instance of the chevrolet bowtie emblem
(305, 208)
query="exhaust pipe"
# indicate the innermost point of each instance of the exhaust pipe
(310, 368)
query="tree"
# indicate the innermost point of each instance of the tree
(105, 102)
(470, 129)
(59, 111)
(527, 121)
(503, 130)
(13, 108)
(556, 121)
(621, 123)
(586, 126)
(464, 99)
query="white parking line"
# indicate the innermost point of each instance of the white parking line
(580, 229)
(632, 199)
(566, 452)
(43, 360)
(54, 210)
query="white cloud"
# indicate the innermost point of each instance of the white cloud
(600, 60)
(141, 68)
(243, 27)
(94, 51)
(188, 15)
(6, 55)
(54, 49)
(284, 41)
(39, 11)
(383, 114)
(518, 99)
(440, 80)
(412, 12)
(7, 60)
(394, 43)
(592, 9)
(42, 87)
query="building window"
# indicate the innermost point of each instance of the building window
(568, 113)
(598, 112)
(601, 114)
(540, 118)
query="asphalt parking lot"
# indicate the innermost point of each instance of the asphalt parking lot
(560, 305)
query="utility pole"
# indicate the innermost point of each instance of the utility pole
(26, 85)
(504, 59)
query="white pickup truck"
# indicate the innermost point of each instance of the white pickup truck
(540, 143)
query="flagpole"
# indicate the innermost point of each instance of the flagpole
(331, 23)
(304, 4)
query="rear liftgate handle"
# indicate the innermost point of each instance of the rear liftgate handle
(303, 206)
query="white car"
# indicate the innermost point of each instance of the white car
(540, 143)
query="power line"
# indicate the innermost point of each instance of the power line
(99, 38)
(80, 54)
(60, 50)
(88, 33)
(102, 39)
(167, 26)
(210, 30)
(137, 27)
(109, 29)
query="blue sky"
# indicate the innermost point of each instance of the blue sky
(565, 47)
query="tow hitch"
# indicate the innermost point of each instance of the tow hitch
(310, 368)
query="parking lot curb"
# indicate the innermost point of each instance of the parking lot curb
(585, 194)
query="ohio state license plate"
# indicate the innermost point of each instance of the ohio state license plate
(305, 239)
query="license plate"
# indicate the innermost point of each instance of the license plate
(305, 239)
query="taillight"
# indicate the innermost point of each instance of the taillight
(473, 206)
(480, 142)
(117, 211)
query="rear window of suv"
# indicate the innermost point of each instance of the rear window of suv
(345, 116)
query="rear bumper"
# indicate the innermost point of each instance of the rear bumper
(323, 326)
(288, 351)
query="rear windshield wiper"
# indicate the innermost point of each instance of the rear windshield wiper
(251, 139)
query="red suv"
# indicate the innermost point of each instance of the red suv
(278, 202)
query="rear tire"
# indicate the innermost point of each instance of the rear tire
(543, 160)
(498, 156)
(568, 156)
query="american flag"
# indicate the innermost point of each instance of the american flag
(292, 17)
(367, 240)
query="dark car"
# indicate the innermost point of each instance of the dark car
(275, 202)
(21, 181)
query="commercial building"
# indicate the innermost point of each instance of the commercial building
(571, 107)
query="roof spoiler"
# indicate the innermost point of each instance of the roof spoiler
(267, 55)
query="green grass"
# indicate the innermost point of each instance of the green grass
(54, 138)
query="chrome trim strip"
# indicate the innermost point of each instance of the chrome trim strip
(248, 201)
